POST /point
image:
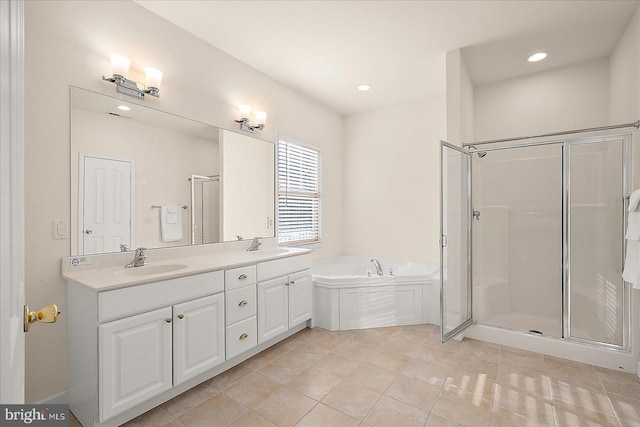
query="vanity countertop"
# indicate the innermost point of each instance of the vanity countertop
(109, 277)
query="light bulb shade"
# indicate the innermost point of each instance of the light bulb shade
(245, 110)
(119, 64)
(154, 77)
(261, 117)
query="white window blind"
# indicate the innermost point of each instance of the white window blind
(298, 193)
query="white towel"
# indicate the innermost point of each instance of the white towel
(631, 271)
(171, 223)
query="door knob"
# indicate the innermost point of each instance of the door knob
(180, 316)
(49, 314)
(88, 231)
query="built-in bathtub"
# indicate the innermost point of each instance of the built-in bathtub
(349, 294)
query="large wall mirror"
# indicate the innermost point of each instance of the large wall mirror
(145, 178)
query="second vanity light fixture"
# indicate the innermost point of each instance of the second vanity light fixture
(120, 67)
(245, 112)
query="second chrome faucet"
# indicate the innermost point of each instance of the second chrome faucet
(139, 259)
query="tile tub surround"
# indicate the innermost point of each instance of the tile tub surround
(318, 378)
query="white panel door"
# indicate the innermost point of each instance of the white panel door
(198, 336)
(135, 361)
(106, 207)
(273, 308)
(300, 297)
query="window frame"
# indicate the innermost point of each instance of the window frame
(289, 139)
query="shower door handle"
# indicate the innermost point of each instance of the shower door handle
(444, 240)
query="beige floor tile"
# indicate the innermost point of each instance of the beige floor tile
(594, 399)
(472, 365)
(174, 423)
(352, 399)
(619, 382)
(153, 418)
(309, 354)
(501, 417)
(402, 346)
(371, 376)
(389, 412)
(436, 421)
(252, 389)
(430, 373)
(314, 383)
(389, 360)
(354, 349)
(626, 408)
(329, 340)
(522, 358)
(188, 400)
(567, 415)
(531, 380)
(285, 407)
(323, 416)
(227, 378)
(251, 419)
(574, 373)
(263, 358)
(414, 392)
(336, 364)
(220, 410)
(463, 408)
(474, 383)
(414, 333)
(437, 354)
(533, 407)
(284, 368)
(483, 350)
(373, 336)
(73, 421)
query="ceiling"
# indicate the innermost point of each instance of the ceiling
(325, 49)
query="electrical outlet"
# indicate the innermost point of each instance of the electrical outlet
(60, 230)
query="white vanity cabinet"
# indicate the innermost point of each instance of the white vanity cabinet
(241, 309)
(284, 300)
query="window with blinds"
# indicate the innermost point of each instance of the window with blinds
(298, 193)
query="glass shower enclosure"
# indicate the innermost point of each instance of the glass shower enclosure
(538, 245)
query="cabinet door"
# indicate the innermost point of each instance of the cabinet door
(135, 360)
(300, 297)
(198, 336)
(273, 308)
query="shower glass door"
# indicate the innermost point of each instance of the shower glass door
(596, 294)
(455, 240)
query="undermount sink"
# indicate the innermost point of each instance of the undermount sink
(271, 251)
(150, 269)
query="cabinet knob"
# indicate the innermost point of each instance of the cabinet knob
(243, 303)
(292, 282)
(168, 319)
(244, 336)
(180, 316)
(242, 277)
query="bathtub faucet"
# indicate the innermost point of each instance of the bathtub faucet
(378, 266)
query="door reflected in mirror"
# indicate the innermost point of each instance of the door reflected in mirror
(145, 178)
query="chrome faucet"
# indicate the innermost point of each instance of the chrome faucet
(139, 259)
(254, 244)
(124, 248)
(378, 266)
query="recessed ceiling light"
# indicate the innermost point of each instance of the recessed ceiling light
(538, 56)
(123, 108)
(364, 88)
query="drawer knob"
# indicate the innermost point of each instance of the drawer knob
(180, 316)
(168, 319)
(244, 336)
(243, 303)
(242, 277)
(293, 282)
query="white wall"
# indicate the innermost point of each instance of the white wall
(460, 95)
(68, 43)
(391, 198)
(565, 98)
(624, 70)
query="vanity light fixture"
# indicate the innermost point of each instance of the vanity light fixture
(120, 67)
(245, 112)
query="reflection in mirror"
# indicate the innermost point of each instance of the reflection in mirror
(145, 178)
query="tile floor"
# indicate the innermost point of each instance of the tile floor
(403, 376)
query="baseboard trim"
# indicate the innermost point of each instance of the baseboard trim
(57, 399)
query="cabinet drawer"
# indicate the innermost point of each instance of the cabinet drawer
(137, 299)
(240, 304)
(242, 336)
(281, 267)
(239, 277)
